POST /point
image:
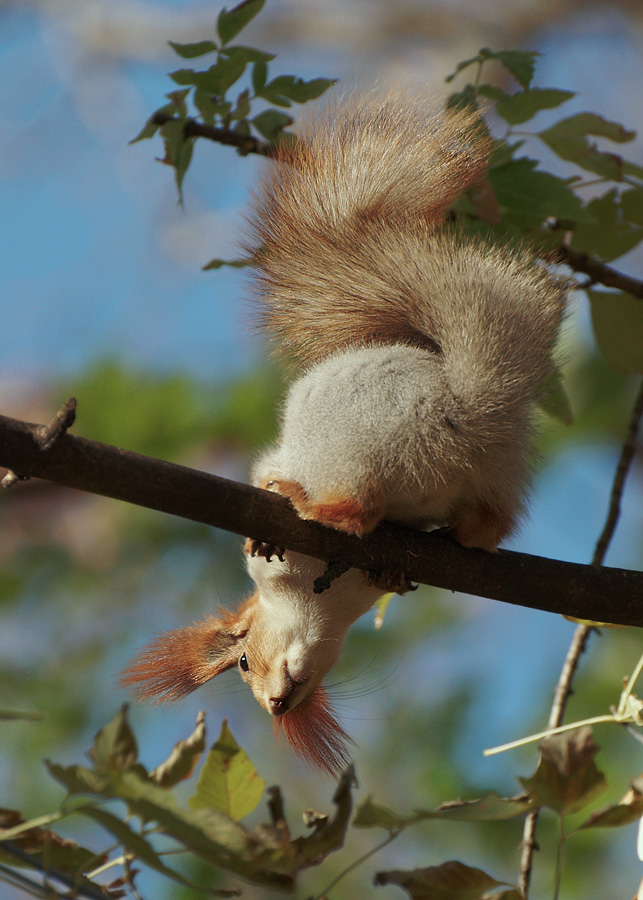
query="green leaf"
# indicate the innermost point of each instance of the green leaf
(628, 810)
(490, 808)
(527, 196)
(207, 107)
(519, 63)
(617, 319)
(191, 51)
(228, 781)
(249, 54)
(632, 205)
(523, 105)
(178, 150)
(233, 263)
(259, 76)
(270, 122)
(211, 835)
(569, 140)
(610, 234)
(467, 98)
(114, 747)
(553, 399)
(178, 105)
(452, 880)
(183, 758)
(231, 22)
(215, 80)
(184, 76)
(242, 109)
(147, 131)
(284, 88)
(566, 778)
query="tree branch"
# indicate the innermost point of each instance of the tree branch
(219, 135)
(599, 272)
(604, 594)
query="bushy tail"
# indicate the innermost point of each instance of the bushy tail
(350, 248)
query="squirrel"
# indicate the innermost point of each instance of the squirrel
(419, 351)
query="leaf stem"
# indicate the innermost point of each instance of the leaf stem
(358, 862)
(558, 866)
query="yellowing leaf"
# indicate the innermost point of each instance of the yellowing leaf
(566, 777)
(228, 781)
(627, 810)
(452, 880)
(183, 758)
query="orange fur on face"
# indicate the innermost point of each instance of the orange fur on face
(314, 733)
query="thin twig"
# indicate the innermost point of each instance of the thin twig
(624, 463)
(581, 634)
(220, 135)
(599, 272)
(358, 862)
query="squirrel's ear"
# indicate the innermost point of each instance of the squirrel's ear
(178, 662)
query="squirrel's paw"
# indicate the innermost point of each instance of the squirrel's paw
(254, 547)
(390, 581)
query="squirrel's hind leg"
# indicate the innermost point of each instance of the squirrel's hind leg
(481, 526)
(334, 510)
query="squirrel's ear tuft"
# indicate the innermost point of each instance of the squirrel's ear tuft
(314, 733)
(178, 662)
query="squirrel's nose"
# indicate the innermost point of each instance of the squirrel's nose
(278, 705)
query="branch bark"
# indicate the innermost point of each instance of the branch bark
(603, 594)
(220, 135)
(599, 272)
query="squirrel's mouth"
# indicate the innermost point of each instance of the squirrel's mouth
(289, 698)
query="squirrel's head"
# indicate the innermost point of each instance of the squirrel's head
(283, 658)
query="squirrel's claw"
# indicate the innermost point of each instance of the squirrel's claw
(254, 547)
(391, 581)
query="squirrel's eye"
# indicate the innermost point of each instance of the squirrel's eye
(243, 663)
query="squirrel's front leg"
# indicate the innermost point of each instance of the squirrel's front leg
(334, 510)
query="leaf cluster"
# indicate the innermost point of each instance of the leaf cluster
(206, 95)
(228, 790)
(598, 215)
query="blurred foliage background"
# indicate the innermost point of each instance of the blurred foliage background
(103, 298)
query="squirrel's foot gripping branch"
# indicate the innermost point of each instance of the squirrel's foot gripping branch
(254, 547)
(390, 581)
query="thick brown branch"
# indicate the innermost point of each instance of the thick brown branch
(612, 595)
(599, 272)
